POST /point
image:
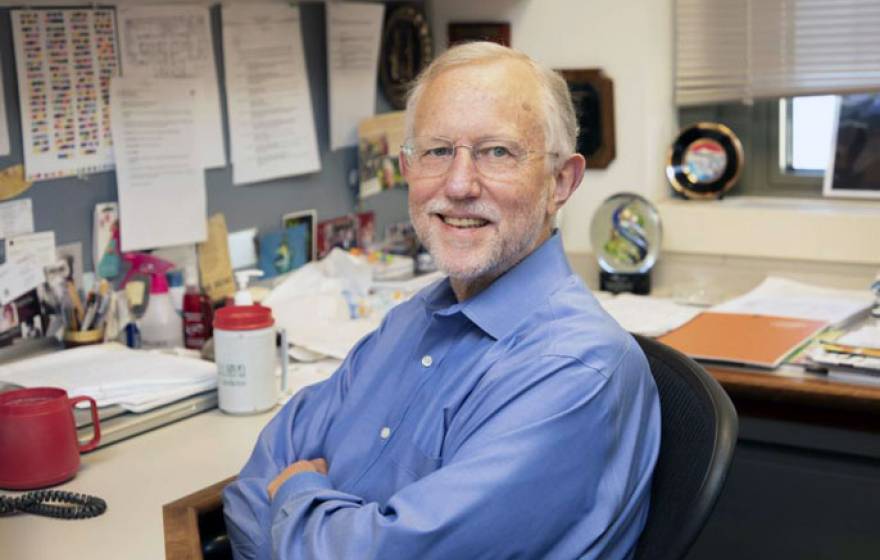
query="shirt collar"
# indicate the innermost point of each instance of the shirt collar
(512, 296)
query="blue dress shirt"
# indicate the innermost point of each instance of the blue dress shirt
(520, 423)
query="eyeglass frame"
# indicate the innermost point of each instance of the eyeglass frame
(408, 149)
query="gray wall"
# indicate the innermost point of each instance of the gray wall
(66, 205)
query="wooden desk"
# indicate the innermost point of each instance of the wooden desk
(137, 477)
(791, 394)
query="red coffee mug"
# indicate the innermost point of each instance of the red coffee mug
(38, 440)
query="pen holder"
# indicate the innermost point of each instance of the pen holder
(72, 339)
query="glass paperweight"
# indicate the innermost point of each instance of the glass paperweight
(625, 234)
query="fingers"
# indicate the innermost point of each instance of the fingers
(306, 465)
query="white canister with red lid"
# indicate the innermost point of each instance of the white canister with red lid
(246, 356)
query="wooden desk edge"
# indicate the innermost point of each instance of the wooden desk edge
(180, 521)
(803, 390)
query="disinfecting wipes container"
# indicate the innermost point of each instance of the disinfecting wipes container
(246, 356)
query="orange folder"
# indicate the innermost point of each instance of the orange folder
(759, 340)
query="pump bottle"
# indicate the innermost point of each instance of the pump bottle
(160, 325)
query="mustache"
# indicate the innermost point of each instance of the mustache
(477, 209)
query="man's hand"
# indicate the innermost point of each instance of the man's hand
(310, 465)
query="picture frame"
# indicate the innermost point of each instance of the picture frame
(310, 218)
(854, 164)
(463, 32)
(592, 92)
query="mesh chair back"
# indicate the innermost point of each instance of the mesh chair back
(698, 436)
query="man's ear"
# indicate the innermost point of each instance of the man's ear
(401, 161)
(567, 180)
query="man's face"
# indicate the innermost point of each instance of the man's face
(478, 225)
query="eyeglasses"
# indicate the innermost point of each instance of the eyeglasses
(493, 158)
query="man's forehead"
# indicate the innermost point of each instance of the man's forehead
(505, 90)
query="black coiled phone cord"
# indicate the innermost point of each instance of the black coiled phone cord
(54, 503)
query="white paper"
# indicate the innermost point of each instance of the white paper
(175, 42)
(354, 34)
(159, 171)
(243, 248)
(4, 124)
(786, 298)
(271, 126)
(64, 61)
(19, 276)
(866, 336)
(115, 374)
(645, 315)
(16, 217)
(41, 245)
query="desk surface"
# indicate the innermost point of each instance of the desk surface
(137, 477)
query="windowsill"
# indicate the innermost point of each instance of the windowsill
(846, 231)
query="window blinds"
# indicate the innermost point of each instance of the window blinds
(728, 50)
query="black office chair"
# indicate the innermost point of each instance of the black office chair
(698, 435)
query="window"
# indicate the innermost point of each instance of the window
(806, 125)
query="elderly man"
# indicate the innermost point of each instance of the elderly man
(499, 413)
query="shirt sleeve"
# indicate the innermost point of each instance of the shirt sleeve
(295, 433)
(530, 456)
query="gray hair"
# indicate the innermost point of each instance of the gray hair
(560, 120)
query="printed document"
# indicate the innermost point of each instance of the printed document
(159, 170)
(271, 125)
(787, 298)
(4, 124)
(354, 34)
(64, 61)
(175, 42)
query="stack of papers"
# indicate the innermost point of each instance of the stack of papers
(786, 298)
(137, 380)
(757, 340)
(646, 315)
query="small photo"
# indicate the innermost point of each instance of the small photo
(309, 219)
(8, 317)
(337, 232)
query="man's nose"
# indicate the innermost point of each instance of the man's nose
(461, 179)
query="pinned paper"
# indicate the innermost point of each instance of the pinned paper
(19, 276)
(16, 218)
(354, 32)
(214, 264)
(271, 124)
(39, 245)
(65, 59)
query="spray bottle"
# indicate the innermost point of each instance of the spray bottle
(160, 326)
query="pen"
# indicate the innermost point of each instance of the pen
(847, 349)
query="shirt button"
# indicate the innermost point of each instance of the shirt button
(385, 433)
(427, 360)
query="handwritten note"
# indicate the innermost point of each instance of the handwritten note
(271, 127)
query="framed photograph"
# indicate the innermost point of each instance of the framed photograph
(310, 219)
(854, 166)
(466, 32)
(593, 95)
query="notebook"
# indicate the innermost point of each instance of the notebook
(756, 340)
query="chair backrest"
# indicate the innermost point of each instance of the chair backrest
(698, 436)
